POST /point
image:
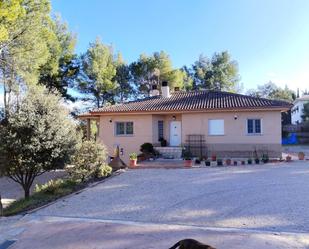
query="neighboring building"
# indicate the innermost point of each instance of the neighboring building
(233, 125)
(297, 109)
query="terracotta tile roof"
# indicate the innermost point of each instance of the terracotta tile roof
(195, 100)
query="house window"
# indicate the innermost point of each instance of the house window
(216, 127)
(124, 128)
(160, 129)
(254, 126)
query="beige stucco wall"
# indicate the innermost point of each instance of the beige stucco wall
(142, 128)
(235, 140)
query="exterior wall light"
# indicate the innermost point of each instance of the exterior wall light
(174, 117)
(235, 117)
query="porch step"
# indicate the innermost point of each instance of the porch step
(170, 152)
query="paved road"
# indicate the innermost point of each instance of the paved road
(264, 198)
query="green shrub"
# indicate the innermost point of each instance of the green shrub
(54, 186)
(133, 156)
(89, 161)
(147, 148)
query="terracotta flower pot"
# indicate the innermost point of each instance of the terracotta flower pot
(301, 156)
(133, 162)
(188, 163)
(288, 158)
(228, 162)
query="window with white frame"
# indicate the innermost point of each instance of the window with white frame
(254, 126)
(123, 128)
(216, 127)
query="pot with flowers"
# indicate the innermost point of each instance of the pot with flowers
(133, 159)
(301, 155)
(187, 157)
(288, 158)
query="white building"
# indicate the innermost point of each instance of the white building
(298, 107)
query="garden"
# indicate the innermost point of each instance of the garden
(37, 136)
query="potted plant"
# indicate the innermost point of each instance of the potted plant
(187, 156)
(243, 162)
(235, 163)
(301, 155)
(133, 159)
(219, 162)
(257, 161)
(163, 142)
(249, 161)
(228, 161)
(213, 157)
(197, 161)
(265, 158)
(207, 162)
(288, 158)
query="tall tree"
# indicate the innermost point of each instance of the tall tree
(187, 78)
(219, 73)
(10, 11)
(25, 46)
(99, 70)
(153, 69)
(125, 88)
(61, 71)
(38, 137)
(144, 74)
(201, 72)
(271, 91)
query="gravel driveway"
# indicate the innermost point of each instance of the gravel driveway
(265, 197)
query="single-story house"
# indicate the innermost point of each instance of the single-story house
(222, 123)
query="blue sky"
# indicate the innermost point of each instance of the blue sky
(268, 38)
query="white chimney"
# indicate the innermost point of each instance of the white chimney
(165, 90)
(154, 91)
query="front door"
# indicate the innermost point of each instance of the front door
(175, 133)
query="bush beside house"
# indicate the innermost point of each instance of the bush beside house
(89, 161)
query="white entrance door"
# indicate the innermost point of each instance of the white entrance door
(175, 133)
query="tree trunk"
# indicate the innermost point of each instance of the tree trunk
(27, 191)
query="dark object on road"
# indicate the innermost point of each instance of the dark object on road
(117, 163)
(191, 244)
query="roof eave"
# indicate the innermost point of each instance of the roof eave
(281, 108)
